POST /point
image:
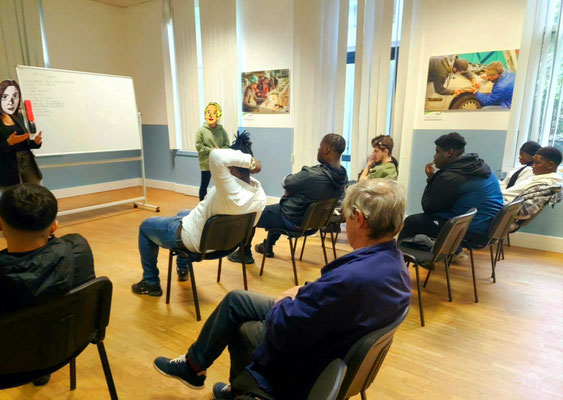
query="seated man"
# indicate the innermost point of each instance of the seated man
(324, 181)
(36, 265)
(520, 174)
(298, 334)
(235, 193)
(546, 162)
(463, 181)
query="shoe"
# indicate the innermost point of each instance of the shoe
(222, 391)
(178, 368)
(144, 288)
(260, 249)
(42, 381)
(182, 274)
(460, 257)
(235, 257)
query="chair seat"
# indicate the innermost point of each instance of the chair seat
(292, 234)
(423, 257)
(196, 257)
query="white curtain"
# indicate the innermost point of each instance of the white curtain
(220, 58)
(319, 75)
(371, 78)
(20, 36)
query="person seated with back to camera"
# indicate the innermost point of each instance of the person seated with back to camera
(324, 181)
(463, 181)
(295, 336)
(235, 193)
(520, 174)
(36, 266)
(382, 164)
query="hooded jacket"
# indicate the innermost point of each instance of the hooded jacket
(311, 184)
(464, 183)
(52, 270)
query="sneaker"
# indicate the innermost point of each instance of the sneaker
(182, 274)
(144, 288)
(42, 381)
(177, 368)
(260, 249)
(460, 257)
(222, 391)
(235, 257)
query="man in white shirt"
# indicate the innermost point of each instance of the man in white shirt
(520, 174)
(235, 193)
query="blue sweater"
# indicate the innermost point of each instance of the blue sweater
(356, 294)
(501, 95)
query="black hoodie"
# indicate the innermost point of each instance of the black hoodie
(311, 184)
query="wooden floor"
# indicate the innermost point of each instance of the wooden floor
(508, 346)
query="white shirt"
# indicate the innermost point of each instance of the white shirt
(231, 195)
(552, 178)
(526, 174)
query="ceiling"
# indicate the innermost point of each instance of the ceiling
(122, 3)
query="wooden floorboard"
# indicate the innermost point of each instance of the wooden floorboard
(507, 346)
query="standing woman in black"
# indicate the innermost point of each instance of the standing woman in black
(17, 163)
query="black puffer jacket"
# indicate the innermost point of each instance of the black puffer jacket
(311, 184)
(52, 270)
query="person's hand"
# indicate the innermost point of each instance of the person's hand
(458, 92)
(429, 169)
(15, 138)
(286, 193)
(38, 138)
(476, 83)
(291, 292)
(258, 167)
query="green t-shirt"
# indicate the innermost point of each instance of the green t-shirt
(386, 170)
(206, 140)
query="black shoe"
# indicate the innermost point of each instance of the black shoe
(235, 257)
(179, 369)
(42, 381)
(260, 249)
(222, 391)
(182, 274)
(144, 288)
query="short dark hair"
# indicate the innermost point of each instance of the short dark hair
(550, 153)
(336, 142)
(451, 141)
(461, 64)
(28, 207)
(530, 147)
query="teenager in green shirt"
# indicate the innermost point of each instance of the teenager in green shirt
(210, 136)
(381, 164)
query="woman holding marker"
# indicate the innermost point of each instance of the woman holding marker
(17, 163)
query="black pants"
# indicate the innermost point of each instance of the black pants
(205, 178)
(271, 218)
(238, 308)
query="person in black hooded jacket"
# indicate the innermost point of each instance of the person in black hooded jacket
(324, 181)
(463, 181)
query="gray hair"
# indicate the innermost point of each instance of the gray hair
(382, 201)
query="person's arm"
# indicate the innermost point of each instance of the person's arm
(200, 145)
(497, 95)
(14, 142)
(219, 162)
(297, 182)
(36, 142)
(440, 194)
(439, 82)
(225, 143)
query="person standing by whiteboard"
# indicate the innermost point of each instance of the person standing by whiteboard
(17, 163)
(210, 136)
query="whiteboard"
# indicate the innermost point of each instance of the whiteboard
(80, 112)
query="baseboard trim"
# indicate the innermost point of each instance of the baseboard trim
(96, 188)
(537, 242)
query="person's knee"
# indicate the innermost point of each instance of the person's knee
(235, 296)
(144, 225)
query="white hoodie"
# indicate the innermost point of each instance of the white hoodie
(551, 179)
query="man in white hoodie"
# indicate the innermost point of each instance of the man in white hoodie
(546, 162)
(235, 193)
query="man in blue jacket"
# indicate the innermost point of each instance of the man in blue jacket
(293, 338)
(503, 81)
(463, 181)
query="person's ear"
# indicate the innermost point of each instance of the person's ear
(54, 227)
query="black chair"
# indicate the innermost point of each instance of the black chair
(221, 235)
(41, 339)
(335, 220)
(447, 243)
(366, 357)
(315, 217)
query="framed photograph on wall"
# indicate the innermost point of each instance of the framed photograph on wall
(471, 81)
(265, 92)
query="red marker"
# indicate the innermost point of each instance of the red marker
(30, 117)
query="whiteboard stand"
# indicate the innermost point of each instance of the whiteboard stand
(144, 204)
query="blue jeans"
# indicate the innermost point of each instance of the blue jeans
(159, 232)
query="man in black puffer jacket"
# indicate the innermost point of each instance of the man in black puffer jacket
(324, 181)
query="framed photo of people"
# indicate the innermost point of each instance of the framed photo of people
(265, 92)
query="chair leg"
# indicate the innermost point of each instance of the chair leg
(241, 250)
(323, 236)
(264, 255)
(508, 239)
(363, 395)
(419, 293)
(333, 240)
(107, 371)
(219, 270)
(447, 265)
(72, 374)
(170, 259)
(303, 248)
(497, 255)
(473, 274)
(492, 263)
(502, 249)
(427, 277)
(194, 290)
(292, 248)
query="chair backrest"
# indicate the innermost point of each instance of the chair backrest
(49, 335)
(365, 358)
(317, 214)
(500, 226)
(329, 382)
(226, 232)
(452, 234)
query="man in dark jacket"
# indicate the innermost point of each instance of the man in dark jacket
(291, 339)
(324, 181)
(463, 181)
(36, 266)
(441, 68)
